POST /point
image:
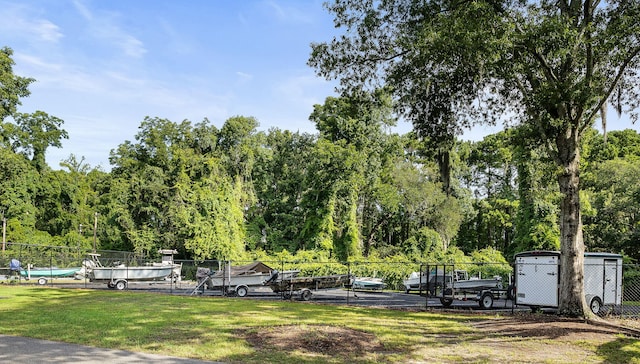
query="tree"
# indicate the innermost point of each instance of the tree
(276, 219)
(612, 189)
(12, 87)
(19, 185)
(552, 65)
(353, 140)
(34, 133)
(171, 190)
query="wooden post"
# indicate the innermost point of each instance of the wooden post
(95, 228)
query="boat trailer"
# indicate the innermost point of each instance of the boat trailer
(302, 286)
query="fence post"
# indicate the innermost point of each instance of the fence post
(51, 266)
(348, 279)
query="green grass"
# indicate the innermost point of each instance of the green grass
(215, 328)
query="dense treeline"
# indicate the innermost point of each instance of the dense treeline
(353, 190)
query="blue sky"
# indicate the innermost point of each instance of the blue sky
(102, 66)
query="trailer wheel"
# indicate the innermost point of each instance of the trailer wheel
(42, 281)
(286, 295)
(446, 302)
(595, 305)
(242, 291)
(486, 301)
(306, 295)
(121, 284)
(511, 292)
(111, 285)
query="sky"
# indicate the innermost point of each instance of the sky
(103, 66)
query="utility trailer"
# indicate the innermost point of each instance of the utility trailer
(289, 286)
(238, 280)
(450, 284)
(537, 279)
(484, 291)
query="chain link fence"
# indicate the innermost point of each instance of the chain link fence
(630, 291)
(613, 287)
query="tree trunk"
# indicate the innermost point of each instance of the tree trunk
(444, 166)
(571, 296)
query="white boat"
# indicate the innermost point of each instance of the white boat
(368, 283)
(423, 281)
(118, 276)
(415, 282)
(167, 259)
(476, 284)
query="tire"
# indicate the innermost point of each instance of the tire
(486, 301)
(111, 285)
(446, 302)
(242, 291)
(121, 285)
(306, 295)
(42, 281)
(286, 295)
(511, 292)
(595, 305)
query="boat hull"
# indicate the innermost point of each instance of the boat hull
(477, 284)
(148, 273)
(246, 280)
(50, 272)
(369, 284)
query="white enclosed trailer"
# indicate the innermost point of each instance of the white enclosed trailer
(537, 279)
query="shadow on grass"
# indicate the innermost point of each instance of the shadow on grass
(621, 351)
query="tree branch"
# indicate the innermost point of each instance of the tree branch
(543, 62)
(613, 85)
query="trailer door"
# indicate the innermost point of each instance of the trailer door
(537, 281)
(610, 282)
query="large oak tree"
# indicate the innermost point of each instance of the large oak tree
(549, 64)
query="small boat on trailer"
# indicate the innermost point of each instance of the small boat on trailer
(288, 286)
(476, 284)
(43, 273)
(118, 276)
(238, 279)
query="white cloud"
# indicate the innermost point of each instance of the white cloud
(20, 21)
(288, 13)
(104, 27)
(46, 31)
(83, 10)
(131, 46)
(35, 63)
(244, 77)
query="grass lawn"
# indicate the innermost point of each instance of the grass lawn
(250, 331)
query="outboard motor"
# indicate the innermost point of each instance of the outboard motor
(14, 265)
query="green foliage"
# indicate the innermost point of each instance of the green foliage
(353, 192)
(489, 262)
(34, 133)
(550, 66)
(12, 87)
(423, 244)
(614, 195)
